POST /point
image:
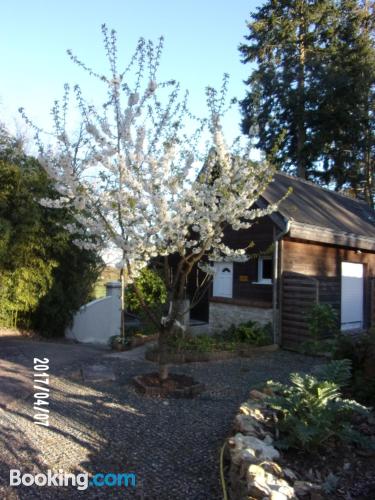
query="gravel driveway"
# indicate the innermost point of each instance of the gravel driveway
(171, 445)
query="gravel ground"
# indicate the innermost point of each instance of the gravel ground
(171, 445)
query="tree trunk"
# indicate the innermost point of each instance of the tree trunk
(122, 278)
(164, 335)
(176, 313)
(301, 128)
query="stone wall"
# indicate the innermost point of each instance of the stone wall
(222, 315)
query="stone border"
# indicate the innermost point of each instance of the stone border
(255, 469)
(188, 392)
(198, 356)
(137, 341)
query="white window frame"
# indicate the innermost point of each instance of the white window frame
(261, 280)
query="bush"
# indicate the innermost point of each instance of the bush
(116, 341)
(360, 350)
(322, 321)
(200, 343)
(323, 327)
(252, 333)
(311, 409)
(44, 277)
(152, 288)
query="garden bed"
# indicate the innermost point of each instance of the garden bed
(263, 461)
(185, 356)
(132, 342)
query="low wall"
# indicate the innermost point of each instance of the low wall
(98, 320)
(222, 315)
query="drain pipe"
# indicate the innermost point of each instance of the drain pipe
(276, 279)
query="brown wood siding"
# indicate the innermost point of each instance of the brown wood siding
(248, 290)
(260, 236)
(299, 293)
(313, 259)
(323, 263)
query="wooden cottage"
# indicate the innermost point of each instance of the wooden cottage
(318, 248)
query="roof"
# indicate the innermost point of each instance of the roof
(319, 214)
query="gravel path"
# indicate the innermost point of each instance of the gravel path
(171, 445)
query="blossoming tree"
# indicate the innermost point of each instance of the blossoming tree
(137, 177)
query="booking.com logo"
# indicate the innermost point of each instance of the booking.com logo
(81, 481)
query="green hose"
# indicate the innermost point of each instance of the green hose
(222, 478)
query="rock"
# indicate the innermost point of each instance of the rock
(268, 439)
(303, 488)
(277, 495)
(259, 489)
(261, 483)
(253, 410)
(256, 482)
(256, 471)
(247, 425)
(315, 495)
(287, 491)
(272, 468)
(257, 395)
(289, 474)
(251, 449)
(283, 493)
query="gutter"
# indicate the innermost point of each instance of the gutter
(277, 273)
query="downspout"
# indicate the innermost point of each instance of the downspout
(275, 282)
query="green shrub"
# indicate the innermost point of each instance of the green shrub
(357, 349)
(351, 347)
(337, 371)
(322, 321)
(117, 340)
(311, 409)
(252, 333)
(44, 277)
(152, 288)
(200, 343)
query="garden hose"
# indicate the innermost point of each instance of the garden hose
(222, 478)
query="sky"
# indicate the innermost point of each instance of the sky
(201, 44)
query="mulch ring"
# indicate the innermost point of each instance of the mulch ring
(176, 385)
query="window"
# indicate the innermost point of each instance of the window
(265, 268)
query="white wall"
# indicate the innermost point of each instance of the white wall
(98, 320)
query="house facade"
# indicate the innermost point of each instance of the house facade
(318, 248)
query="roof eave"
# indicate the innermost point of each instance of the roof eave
(277, 217)
(325, 235)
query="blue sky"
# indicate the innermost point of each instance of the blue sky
(201, 43)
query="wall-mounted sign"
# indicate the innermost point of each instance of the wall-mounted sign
(244, 278)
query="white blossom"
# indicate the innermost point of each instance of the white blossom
(138, 177)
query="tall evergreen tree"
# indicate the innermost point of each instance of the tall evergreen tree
(284, 37)
(345, 118)
(310, 97)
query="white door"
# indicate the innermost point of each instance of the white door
(351, 296)
(223, 280)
